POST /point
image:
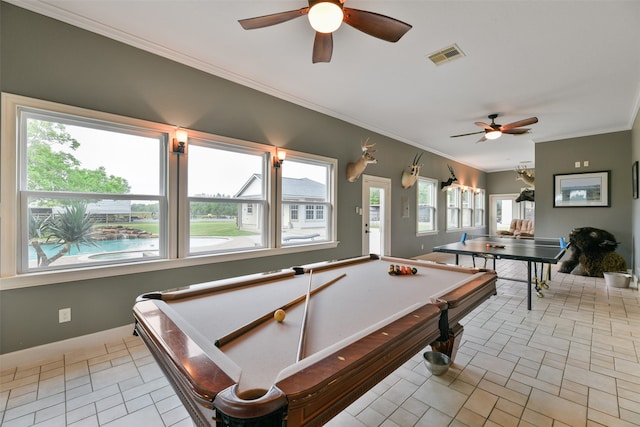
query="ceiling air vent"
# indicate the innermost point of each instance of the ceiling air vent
(445, 55)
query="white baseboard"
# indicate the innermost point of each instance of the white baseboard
(31, 356)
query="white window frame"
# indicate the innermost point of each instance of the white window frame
(330, 210)
(176, 201)
(24, 194)
(434, 209)
(252, 205)
(479, 211)
(466, 211)
(456, 208)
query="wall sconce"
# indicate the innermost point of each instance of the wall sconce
(180, 141)
(279, 158)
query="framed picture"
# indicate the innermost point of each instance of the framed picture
(634, 179)
(588, 189)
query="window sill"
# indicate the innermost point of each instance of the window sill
(427, 233)
(94, 272)
(462, 229)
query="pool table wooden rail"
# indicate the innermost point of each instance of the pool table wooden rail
(167, 341)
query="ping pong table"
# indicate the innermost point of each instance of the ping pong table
(533, 250)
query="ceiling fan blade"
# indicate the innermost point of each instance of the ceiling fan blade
(376, 25)
(483, 139)
(322, 47)
(268, 20)
(519, 131)
(484, 125)
(525, 122)
(467, 134)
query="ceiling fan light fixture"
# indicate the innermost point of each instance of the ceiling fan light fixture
(494, 134)
(325, 16)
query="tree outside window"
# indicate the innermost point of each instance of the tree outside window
(74, 197)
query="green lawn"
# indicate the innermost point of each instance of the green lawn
(217, 228)
(199, 228)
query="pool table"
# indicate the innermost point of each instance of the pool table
(232, 364)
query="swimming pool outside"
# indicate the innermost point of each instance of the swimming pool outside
(120, 246)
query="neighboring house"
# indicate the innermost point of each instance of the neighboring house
(100, 211)
(303, 203)
(110, 210)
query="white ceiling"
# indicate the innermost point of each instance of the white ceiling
(573, 64)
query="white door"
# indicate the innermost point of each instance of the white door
(503, 209)
(376, 215)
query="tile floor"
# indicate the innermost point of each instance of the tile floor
(574, 360)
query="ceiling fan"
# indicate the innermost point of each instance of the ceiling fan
(495, 131)
(325, 16)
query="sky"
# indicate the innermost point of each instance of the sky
(137, 159)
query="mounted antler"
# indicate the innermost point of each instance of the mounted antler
(526, 175)
(354, 170)
(450, 181)
(410, 178)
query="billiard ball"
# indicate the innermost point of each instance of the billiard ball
(279, 315)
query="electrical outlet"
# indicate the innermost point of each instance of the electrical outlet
(64, 315)
(585, 163)
(577, 164)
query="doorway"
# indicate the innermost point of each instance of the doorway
(504, 208)
(376, 215)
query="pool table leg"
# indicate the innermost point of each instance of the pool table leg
(450, 346)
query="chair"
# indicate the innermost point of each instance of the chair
(519, 228)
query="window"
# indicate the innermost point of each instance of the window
(478, 208)
(467, 208)
(82, 198)
(453, 208)
(93, 188)
(307, 183)
(427, 200)
(309, 212)
(228, 197)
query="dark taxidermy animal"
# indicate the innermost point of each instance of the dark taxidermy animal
(526, 196)
(450, 181)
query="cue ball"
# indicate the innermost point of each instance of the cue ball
(279, 315)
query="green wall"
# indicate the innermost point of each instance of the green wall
(504, 182)
(46, 59)
(612, 152)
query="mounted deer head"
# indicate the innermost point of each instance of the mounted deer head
(451, 180)
(354, 170)
(526, 175)
(409, 178)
